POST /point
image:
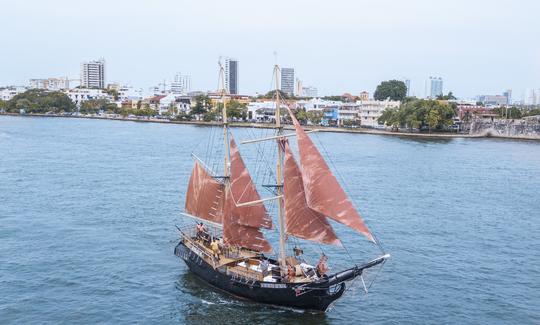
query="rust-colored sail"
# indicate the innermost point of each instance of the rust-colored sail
(323, 192)
(204, 198)
(242, 190)
(244, 236)
(300, 220)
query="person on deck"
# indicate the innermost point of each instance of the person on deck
(322, 266)
(215, 248)
(264, 267)
(199, 229)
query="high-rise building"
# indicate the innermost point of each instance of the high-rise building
(181, 84)
(508, 95)
(309, 91)
(231, 76)
(287, 81)
(434, 87)
(408, 84)
(93, 74)
(298, 88)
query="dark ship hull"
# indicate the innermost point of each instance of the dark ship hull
(317, 295)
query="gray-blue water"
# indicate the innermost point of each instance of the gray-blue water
(87, 210)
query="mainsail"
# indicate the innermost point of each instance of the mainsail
(323, 192)
(241, 224)
(300, 220)
(243, 190)
(204, 197)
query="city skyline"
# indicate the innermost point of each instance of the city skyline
(352, 56)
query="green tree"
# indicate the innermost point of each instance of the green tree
(450, 96)
(41, 101)
(113, 93)
(203, 104)
(393, 89)
(301, 116)
(93, 106)
(272, 94)
(315, 117)
(419, 113)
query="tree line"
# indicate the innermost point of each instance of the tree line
(39, 101)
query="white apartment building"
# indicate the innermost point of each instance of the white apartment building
(179, 104)
(79, 95)
(93, 74)
(371, 110)
(181, 84)
(9, 92)
(50, 83)
(129, 93)
(317, 104)
(263, 111)
(309, 91)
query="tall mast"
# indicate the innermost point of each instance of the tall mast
(279, 177)
(223, 91)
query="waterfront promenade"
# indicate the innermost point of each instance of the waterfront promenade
(319, 128)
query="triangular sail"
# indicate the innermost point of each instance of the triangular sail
(300, 220)
(243, 190)
(204, 197)
(323, 192)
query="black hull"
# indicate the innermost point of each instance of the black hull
(313, 296)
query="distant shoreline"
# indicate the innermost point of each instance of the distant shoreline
(441, 135)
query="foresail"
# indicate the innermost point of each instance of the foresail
(323, 192)
(204, 197)
(242, 190)
(300, 220)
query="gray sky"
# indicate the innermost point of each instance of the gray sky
(337, 46)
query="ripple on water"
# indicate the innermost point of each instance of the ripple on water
(87, 214)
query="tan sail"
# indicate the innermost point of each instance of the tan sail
(300, 220)
(235, 234)
(323, 192)
(243, 190)
(204, 197)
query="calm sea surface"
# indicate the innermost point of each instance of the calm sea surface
(88, 208)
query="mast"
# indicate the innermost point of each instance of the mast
(222, 90)
(279, 177)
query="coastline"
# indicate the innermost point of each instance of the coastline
(441, 135)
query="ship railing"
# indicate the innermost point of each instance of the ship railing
(248, 275)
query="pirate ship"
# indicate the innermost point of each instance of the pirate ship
(228, 248)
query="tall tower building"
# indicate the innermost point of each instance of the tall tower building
(231, 76)
(434, 87)
(93, 74)
(408, 84)
(287, 81)
(181, 84)
(298, 88)
(508, 95)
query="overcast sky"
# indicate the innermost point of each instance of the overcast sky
(338, 46)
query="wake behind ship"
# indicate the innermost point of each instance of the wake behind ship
(234, 255)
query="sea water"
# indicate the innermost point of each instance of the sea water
(88, 208)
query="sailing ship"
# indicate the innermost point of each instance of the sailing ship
(236, 256)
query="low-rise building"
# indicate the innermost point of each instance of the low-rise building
(79, 95)
(371, 110)
(50, 83)
(264, 112)
(174, 104)
(7, 93)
